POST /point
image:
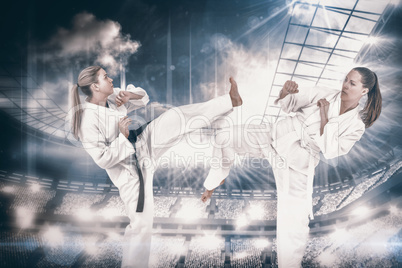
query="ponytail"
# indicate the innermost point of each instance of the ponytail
(372, 108)
(75, 108)
(87, 77)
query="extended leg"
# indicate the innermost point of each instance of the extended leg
(166, 131)
(250, 141)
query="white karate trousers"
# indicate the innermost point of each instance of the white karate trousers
(293, 205)
(161, 134)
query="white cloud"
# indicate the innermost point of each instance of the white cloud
(89, 38)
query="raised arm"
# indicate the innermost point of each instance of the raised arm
(290, 99)
(133, 97)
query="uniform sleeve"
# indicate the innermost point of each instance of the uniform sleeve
(294, 102)
(333, 144)
(305, 97)
(135, 104)
(105, 154)
(131, 105)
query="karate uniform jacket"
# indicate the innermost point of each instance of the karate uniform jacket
(297, 138)
(102, 139)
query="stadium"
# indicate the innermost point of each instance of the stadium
(59, 209)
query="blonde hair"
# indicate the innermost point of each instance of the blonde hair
(87, 77)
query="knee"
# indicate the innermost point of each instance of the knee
(222, 138)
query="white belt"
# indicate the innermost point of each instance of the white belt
(307, 143)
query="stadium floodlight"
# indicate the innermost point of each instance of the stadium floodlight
(373, 40)
(339, 235)
(91, 249)
(256, 212)
(114, 236)
(361, 211)
(178, 250)
(8, 189)
(394, 210)
(35, 187)
(261, 243)
(90, 245)
(84, 214)
(210, 241)
(24, 217)
(242, 221)
(53, 236)
(240, 255)
(110, 213)
(189, 214)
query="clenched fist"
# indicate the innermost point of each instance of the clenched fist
(290, 87)
(324, 105)
(123, 126)
(122, 98)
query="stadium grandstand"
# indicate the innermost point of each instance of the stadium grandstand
(77, 223)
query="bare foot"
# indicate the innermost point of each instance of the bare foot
(208, 193)
(234, 93)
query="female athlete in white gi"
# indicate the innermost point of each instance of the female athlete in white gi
(101, 125)
(325, 120)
